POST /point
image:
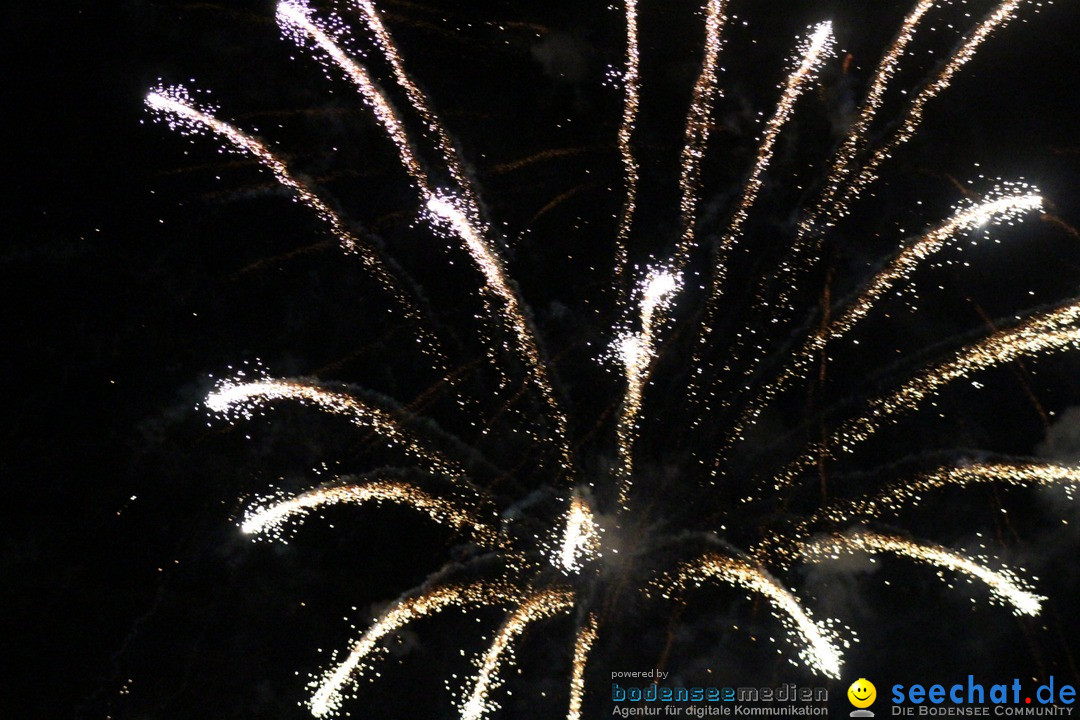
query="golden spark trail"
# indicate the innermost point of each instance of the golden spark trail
(1003, 584)
(295, 17)
(245, 398)
(1043, 333)
(697, 129)
(818, 47)
(271, 519)
(581, 537)
(838, 197)
(176, 103)
(330, 687)
(1016, 474)
(856, 138)
(846, 155)
(420, 103)
(998, 210)
(1002, 15)
(496, 279)
(637, 352)
(631, 101)
(585, 638)
(817, 649)
(538, 606)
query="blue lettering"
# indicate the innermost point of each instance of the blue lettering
(1049, 692)
(972, 687)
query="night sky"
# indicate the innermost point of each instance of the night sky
(139, 265)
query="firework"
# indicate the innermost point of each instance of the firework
(537, 606)
(1004, 13)
(555, 547)
(581, 538)
(273, 516)
(246, 398)
(1017, 474)
(330, 687)
(585, 639)
(637, 351)
(1004, 585)
(631, 101)
(818, 649)
(177, 106)
(697, 127)
(1042, 333)
(296, 19)
(997, 210)
(818, 47)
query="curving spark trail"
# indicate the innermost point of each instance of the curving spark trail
(536, 607)
(817, 647)
(856, 138)
(844, 160)
(1043, 333)
(420, 103)
(818, 48)
(1003, 14)
(514, 316)
(1015, 474)
(998, 210)
(585, 638)
(236, 398)
(330, 688)
(1004, 585)
(272, 517)
(296, 18)
(637, 352)
(176, 104)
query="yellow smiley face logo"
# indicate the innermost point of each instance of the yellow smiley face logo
(862, 693)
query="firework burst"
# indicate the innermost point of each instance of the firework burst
(577, 543)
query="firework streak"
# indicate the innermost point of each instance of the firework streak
(1003, 584)
(296, 19)
(998, 210)
(631, 100)
(329, 689)
(273, 516)
(818, 650)
(175, 104)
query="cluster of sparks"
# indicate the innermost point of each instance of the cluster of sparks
(525, 588)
